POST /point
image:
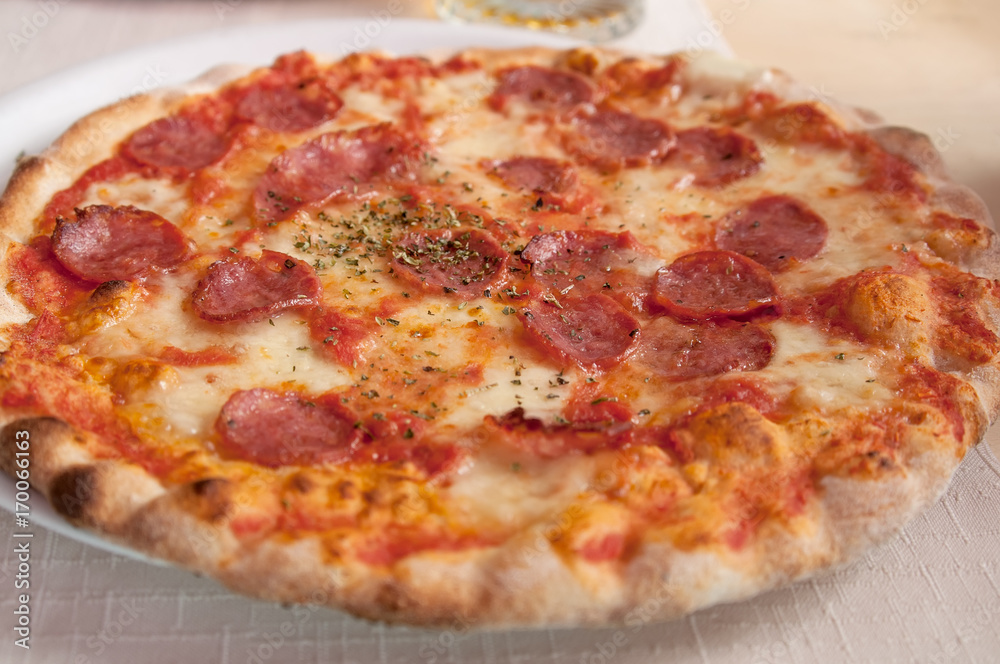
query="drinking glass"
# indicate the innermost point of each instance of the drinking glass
(593, 20)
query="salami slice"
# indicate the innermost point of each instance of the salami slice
(554, 441)
(610, 139)
(284, 429)
(180, 142)
(338, 163)
(715, 157)
(535, 175)
(775, 231)
(714, 284)
(541, 87)
(589, 262)
(289, 107)
(630, 77)
(594, 332)
(341, 337)
(399, 437)
(460, 261)
(117, 243)
(681, 352)
(248, 289)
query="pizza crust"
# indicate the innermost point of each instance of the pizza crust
(518, 583)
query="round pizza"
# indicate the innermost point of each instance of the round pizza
(523, 337)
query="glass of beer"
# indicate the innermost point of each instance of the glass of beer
(593, 20)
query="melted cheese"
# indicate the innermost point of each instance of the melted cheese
(520, 493)
(458, 354)
(822, 373)
(156, 195)
(276, 352)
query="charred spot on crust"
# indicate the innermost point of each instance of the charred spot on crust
(211, 498)
(301, 483)
(73, 492)
(394, 600)
(37, 429)
(347, 490)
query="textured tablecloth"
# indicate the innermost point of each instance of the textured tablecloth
(930, 595)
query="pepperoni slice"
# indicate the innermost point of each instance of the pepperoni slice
(776, 231)
(715, 157)
(680, 352)
(595, 332)
(283, 429)
(249, 289)
(462, 261)
(553, 441)
(341, 337)
(591, 405)
(714, 284)
(117, 243)
(587, 261)
(616, 139)
(793, 124)
(206, 357)
(394, 437)
(330, 165)
(180, 142)
(289, 107)
(631, 77)
(541, 87)
(536, 175)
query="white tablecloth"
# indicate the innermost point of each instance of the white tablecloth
(931, 595)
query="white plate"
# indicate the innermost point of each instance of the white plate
(41, 111)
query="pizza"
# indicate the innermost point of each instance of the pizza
(504, 338)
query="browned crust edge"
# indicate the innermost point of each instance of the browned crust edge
(88, 141)
(188, 524)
